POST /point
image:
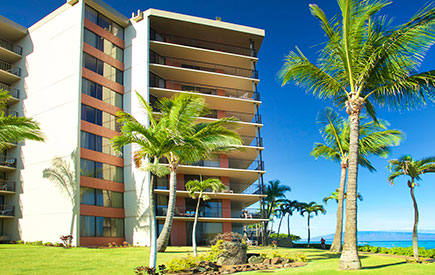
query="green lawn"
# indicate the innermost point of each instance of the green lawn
(26, 259)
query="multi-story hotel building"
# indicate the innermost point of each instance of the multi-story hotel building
(72, 72)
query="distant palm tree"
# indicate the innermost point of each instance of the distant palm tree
(274, 191)
(188, 141)
(63, 176)
(365, 60)
(288, 207)
(196, 190)
(16, 129)
(407, 166)
(309, 208)
(375, 139)
(336, 196)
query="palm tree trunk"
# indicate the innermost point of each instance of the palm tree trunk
(194, 227)
(162, 241)
(153, 226)
(288, 230)
(336, 244)
(349, 259)
(72, 223)
(414, 231)
(279, 226)
(308, 230)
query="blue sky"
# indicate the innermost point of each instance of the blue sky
(289, 113)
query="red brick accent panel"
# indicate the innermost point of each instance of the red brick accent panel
(97, 130)
(101, 184)
(226, 208)
(173, 86)
(88, 74)
(225, 181)
(99, 104)
(180, 204)
(223, 161)
(100, 241)
(103, 56)
(105, 34)
(220, 92)
(101, 157)
(178, 233)
(226, 227)
(221, 114)
(180, 182)
(100, 211)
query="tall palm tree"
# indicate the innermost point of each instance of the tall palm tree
(375, 139)
(153, 144)
(407, 166)
(63, 176)
(274, 192)
(191, 141)
(310, 208)
(365, 61)
(16, 129)
(196, 190)
(288, 207)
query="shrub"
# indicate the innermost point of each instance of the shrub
(66, 239)
(48, 244)
(183, 264)
(19, 242)
(281, 236)
(402, 251)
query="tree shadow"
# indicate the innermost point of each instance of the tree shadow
(383, 265)
(327, 256)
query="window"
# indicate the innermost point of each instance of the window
(105, 94)
(92, 115)
(156, 58)
(103, 45)
(97, 143)
(161, 183)
(156, 81)
(156, 36)
(104, 22)
(94, 40)
(91, 226)
(99, 197)
(94, 169)
(93, 64)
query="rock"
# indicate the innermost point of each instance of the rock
(233, 254)
(275, 261)
(255, 260)
(287, 265)
(267, 261)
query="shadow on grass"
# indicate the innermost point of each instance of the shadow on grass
(327, 256)
(382, 265)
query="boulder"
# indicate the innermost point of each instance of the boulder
(232, 254)
(275, 261)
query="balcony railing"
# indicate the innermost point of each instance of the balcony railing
(202, 66)
(7, 210)
(10, 113)
(244, 117)
(12, 91)
(11, 46)
(252, 141)
(206, 212)
(233, 164)
(5, 66)
(7, 186)
(8, 161)
(203, 44)
(205, 89)
(234, 188)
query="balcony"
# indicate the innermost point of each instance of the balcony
(9, 51)
(197, 43)
(7, 187)
(243, 117)
(10, 113)
(6, 211)
(8, 72)
(14, 93)
(8, 163)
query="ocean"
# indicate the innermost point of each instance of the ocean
(390, 244)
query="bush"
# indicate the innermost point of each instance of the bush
(402, 251)
(281, 236)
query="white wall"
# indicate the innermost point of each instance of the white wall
(52, 78)
(136, 196)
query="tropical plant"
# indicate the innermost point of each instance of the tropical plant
(365, 61)
(274, 192)
(375, 139)
(188, 141)
(288, 207)
(63, 176)
(196, 190)
(336, 196)
(152, 145)
(310, 208)
(407, 166)
(16, 129)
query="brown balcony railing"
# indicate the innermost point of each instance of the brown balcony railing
(7, 186)
(8, 161)
(204, 211)
(11, 46)
(7, 210)
(12, 91)
(234, 188)
(5, 66)
(202, 44)
(202, 66)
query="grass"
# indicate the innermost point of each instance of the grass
(27, 259)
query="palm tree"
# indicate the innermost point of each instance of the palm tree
(194, 187)
(309, 208)
(365, 61)
(16, 129)
(63, 176)
(153, 144)
(336, 196)
(274, 191)
(407, 166)
(288, 207)
(189, 142)
(375, 139)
